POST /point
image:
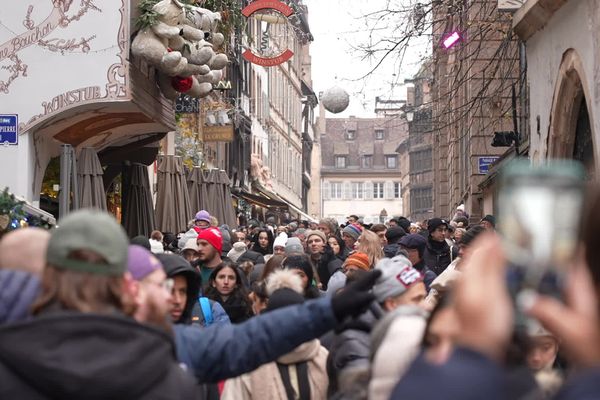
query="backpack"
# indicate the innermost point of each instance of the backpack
(206, 310)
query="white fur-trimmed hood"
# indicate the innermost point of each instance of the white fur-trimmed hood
(284, 279)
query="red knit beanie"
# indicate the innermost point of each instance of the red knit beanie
(212, 236)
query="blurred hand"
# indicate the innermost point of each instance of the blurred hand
(576, 322)
(482, 301)
(355, 298)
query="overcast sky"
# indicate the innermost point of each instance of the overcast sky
(335, 25)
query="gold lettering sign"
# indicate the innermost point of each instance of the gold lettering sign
(217, 133)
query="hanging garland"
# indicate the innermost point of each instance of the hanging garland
(232, 19)
(12, 215)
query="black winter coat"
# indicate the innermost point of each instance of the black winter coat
(327, 265)
(351, 345)
(237, 308)
(69, 355)
(437, 256)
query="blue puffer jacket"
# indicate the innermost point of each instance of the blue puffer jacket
(225, 351)
(18, 290)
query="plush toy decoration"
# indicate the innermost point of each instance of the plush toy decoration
(180, 40)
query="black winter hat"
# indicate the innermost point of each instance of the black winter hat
(434, 223)
(489, 218)
(471, 235)
(302, 262)
(141, 240)
(394, 234)
(284, 297)
(414, 241)
(404, 223)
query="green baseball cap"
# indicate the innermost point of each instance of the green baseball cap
(90, 230)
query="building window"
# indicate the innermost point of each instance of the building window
(397, 190)
(340, 161)
(421, 161)
(357, 190)
(336, 190)
(421, 199)
(391, 162)
(378, 190)
(379, 134)
(366, 161)
(350, 134)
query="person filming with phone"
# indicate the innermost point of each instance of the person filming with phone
(494, 357)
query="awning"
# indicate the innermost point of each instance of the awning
(302, 214)
(262, 201)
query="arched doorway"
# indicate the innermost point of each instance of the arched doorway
(571, 133)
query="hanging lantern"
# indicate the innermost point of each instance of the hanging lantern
(335, 100)
(182, 84)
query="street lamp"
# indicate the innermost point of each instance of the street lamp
(410, 116)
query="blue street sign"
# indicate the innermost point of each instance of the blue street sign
(9, 129)
(485, 162)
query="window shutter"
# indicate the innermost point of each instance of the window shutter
(347, 190)
(368, 188)
(325, 190)
(388, 190)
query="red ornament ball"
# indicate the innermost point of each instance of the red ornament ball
(182, 84)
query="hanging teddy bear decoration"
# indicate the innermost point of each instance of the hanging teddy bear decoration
(180, 40)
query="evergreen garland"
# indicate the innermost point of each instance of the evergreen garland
(12, 215)
(148, 16)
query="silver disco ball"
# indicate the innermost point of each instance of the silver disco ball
(335, 100)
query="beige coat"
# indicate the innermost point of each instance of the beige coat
(442, 284)
(265, 382)
(395, 344)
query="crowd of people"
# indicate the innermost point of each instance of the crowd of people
(297, 310)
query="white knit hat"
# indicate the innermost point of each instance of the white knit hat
(236, 252)
(281, 240)
(156, 247)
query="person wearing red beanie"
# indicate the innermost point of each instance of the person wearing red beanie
(210, 246)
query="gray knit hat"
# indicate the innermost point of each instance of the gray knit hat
(397, 276)
(293, 246)
(354, 230)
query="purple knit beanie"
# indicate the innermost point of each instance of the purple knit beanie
(141, 262)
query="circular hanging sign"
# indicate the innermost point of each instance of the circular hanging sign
(279, 12)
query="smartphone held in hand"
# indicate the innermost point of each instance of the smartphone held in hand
(539, 210)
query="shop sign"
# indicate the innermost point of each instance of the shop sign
(264, 56)
(186, 105)
(217, 133)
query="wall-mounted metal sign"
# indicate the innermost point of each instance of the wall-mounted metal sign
(268, 12)
(9, 129)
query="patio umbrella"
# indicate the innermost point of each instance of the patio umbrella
(89, 175)
(138, 212)
(227, 213)
(173, 209)
(211, 180)
(198, 189)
